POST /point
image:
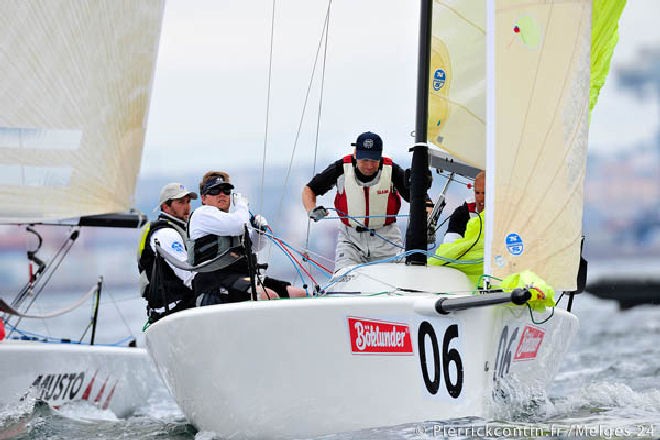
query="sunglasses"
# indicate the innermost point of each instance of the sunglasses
(216, 191)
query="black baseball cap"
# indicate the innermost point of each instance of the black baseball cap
(368, 146)
(217, 182)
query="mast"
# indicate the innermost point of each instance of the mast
(416, 232)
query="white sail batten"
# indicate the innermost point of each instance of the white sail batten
(77, 80)
(542, 76)
(457, 80)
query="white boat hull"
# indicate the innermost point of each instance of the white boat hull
(119, 379)
(286, 369)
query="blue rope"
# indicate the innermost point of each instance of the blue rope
(274, 239)
(364, 216)
(301, 254)
(30, 336)
(369, 263)
(293, 263)
(453, 261)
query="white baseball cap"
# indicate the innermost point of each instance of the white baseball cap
(173, 191)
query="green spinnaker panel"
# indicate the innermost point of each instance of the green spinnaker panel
(604, 36)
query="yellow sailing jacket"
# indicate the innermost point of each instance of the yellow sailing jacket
(465, 254)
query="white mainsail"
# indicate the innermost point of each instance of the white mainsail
(76, 83)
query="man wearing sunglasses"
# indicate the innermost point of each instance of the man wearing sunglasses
(217, 229)
(172, 290)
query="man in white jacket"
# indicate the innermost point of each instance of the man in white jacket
(217, 229)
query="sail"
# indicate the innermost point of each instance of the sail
(76, 84)
(542, 78)
(523, 118)
(457, 80)
(604, 36)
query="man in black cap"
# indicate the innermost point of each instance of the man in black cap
(172, 290)
(369, 191)
(217, 228)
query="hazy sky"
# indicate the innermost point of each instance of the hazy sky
(208, 108)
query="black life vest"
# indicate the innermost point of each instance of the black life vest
(167, 288)
(210, 246)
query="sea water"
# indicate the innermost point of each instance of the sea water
(607, 387)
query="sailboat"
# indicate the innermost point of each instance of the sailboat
(77, 80)
(393, 343)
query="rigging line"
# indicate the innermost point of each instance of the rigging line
(313, 262)
(442, 224)
(305, 257)
(318, 116)
(121, 315)
(288, 251)
(45, 277)
(302, 115)
(481, 226)
(365, 216)
(283, 245)
(58, 340)
(90, 322)
(57, 261)
(341, 277)
(302, 279)
(35, 282)
(380, 281)
(270, 77)
(286, 248)
(308, 252)
(280, 243)
(372, 231)
(41, 282)
(6, 308)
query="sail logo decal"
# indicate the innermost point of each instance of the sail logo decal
(369, 336)
(514, 244)
(439, 78)
(529, 344)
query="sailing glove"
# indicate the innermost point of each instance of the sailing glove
(259, 222)
(318, 213)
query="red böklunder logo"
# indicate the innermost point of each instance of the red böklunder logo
(530, 342)
(370, 336)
